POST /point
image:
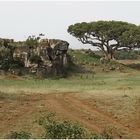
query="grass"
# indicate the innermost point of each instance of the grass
(80, 56)
(78, 83)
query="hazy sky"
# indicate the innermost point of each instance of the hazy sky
(19, 19)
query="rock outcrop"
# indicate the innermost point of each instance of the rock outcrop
(53, 54)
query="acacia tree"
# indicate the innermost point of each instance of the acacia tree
(105, 35)
(131, 38)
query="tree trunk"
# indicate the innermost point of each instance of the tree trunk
(109, 54)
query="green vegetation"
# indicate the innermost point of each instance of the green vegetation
(108, 36)
(82, 56)
(79, 82)
(61, 129)
(58, 129)
(7, 62)
(34, 58)
(32, 41)
(5, 58)
(19, 135)
(122, 55)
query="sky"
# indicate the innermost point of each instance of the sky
(19, 19)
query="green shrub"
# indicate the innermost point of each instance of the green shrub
(5, 64)
(121, 55)
(34, 58)
(107, 133)
(61, 129)
(137, 52)
(7, 61)
(4, 53)
(20, 135)
(17, 63)
(95, 136)
(55, 129)
(5, 58)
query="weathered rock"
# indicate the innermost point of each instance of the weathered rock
(53, 53)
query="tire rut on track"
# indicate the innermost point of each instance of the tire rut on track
(89, 116)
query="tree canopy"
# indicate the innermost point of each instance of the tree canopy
(108, 36)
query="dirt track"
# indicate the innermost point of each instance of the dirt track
(20, 112)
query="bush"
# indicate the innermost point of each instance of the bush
(121, 55)
(5, 64)
(5, 58)
(5, 53)
(137, 52)
(7, 61)
(61, 129)
(55, 129)
(34, 58)
(17, 63)
(95, 136)
(20, 135)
